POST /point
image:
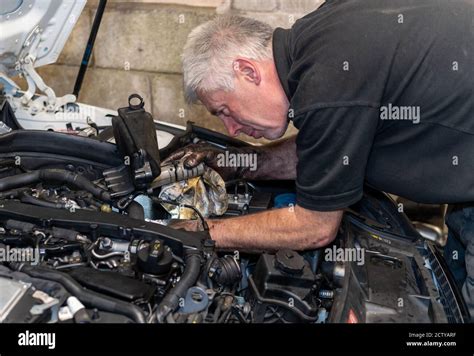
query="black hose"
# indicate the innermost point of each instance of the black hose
(14, 193)
(88, 298)
(19, 180)
(11, 163)
(92, 202)
(59, 175)
(135, 211)
(29, 199)
(192, 268)
(217, 312)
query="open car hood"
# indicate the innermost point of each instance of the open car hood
(37, 29)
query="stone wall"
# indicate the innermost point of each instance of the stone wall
(138, 50)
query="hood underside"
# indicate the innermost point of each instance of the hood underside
(35, 28)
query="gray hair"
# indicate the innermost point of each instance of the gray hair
(213, 46)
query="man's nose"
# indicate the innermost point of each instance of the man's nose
(232, 127)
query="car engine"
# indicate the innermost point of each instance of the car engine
(85, 238)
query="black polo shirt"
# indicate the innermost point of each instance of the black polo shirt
(382, 93)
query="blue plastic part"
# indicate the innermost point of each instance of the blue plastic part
(284, 200)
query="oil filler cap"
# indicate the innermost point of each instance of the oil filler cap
(289, 261)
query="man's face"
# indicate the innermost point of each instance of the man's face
(256, 107)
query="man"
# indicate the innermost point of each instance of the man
(381, 92)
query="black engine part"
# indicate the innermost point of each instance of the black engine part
(135, 136)
(153, 257)
(282, 285)
(113, 284)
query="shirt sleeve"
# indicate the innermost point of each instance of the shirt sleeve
(333, 147)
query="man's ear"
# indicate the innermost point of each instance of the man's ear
(248, 70)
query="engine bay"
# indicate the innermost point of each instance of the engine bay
(82, 237)
(87, 236)
(154, 273)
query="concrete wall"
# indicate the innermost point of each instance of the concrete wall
(138, 50)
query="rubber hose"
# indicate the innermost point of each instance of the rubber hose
(192, 268)
(27, 198)
(60, 175)
(89, 298)
(19, 180)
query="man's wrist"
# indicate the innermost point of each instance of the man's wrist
(213, 225)
(251, 172)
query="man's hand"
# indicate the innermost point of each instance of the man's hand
(195, 154)
(276, 160)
